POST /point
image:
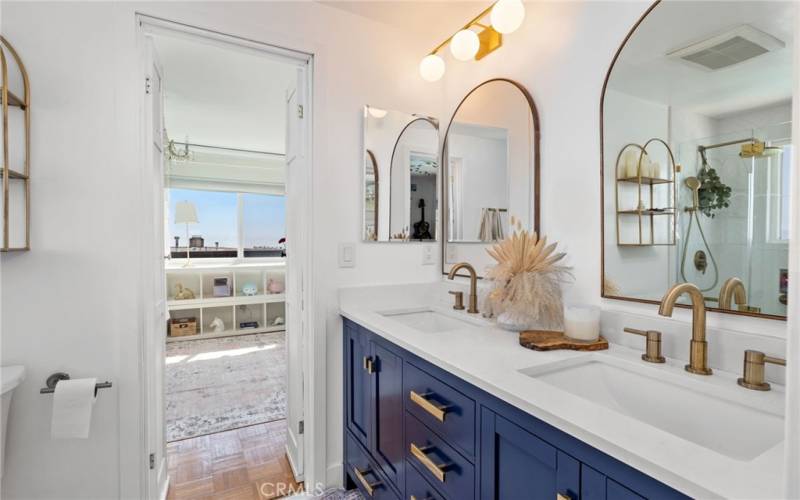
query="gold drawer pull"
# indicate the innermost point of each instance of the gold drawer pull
(370, 487)
(438, 412)
(419, 454)
(562, 496)
(369, 365)
(412, 497)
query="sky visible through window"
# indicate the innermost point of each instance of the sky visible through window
(264, 218)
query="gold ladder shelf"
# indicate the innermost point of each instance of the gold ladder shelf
(10, 101)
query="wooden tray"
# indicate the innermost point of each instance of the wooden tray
(540, 340)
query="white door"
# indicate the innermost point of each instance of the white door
(297, 252)
(155, 307)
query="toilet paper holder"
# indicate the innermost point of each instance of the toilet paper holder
(55, 378)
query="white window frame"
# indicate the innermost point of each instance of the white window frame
(240, 258)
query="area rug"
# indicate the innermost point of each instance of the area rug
(220, 384)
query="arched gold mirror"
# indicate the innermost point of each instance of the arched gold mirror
(491, 170)
(697, 157)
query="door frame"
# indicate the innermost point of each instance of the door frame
(314, 383)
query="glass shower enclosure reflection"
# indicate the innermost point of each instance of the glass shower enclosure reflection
(733, 203)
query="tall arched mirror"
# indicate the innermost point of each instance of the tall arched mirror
(491, 171)
(401, 167)
(697, 155)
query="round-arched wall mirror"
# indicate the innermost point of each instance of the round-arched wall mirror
(401, 167)
(696, 127)
(491, 171)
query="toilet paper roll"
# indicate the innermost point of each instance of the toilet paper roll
(73, 401)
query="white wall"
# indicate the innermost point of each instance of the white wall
(83, 65)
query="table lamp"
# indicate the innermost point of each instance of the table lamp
(186, 213)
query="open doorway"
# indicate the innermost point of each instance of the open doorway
(227, 394)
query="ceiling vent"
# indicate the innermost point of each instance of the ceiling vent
(728, 48)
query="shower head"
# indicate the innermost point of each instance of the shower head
(758, 149)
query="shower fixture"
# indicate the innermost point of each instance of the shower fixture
(700, 260)
(750, 148)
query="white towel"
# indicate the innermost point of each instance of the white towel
(73, 401)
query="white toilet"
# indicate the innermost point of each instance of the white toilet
(11, 377)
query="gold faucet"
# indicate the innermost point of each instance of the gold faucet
(698, 347)
(733, 288)
(473, 284)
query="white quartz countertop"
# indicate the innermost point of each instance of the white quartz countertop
(490, 358)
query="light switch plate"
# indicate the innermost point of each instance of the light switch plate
(428, 255)
(347, 255)
(452, 254)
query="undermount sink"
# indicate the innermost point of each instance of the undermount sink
(427, 320)
(679, 407)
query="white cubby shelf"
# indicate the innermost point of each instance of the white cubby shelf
(262, 308)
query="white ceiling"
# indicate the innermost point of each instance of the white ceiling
(433, 20)
(643, 70)
(223, 97)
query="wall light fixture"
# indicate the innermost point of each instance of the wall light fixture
(476, 40)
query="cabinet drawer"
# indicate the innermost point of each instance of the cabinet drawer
(439, 463)
(365, 473)
(418, 488)
(442, 408)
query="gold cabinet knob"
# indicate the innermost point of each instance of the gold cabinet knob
(563, 496)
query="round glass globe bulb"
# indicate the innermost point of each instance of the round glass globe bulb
(465, 45)
(507, 15)
(431, 68)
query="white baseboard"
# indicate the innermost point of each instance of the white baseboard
(334, 475)
(290, 458)
(164, 489)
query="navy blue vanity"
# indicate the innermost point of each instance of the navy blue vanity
(415, 431)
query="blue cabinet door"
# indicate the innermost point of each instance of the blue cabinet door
(357, 382)
(516, 465)
(387, 406)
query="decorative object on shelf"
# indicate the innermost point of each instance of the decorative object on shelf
(243, 325)
(275, 286)
(222, 287)
(278, 321)
(635, 167)
(282, 243)
(542, 340)
(466, 44)
(249, 289)
(217, 325)
(186, 213)
(582, 323)
(183, 293)
(181, 327)
(526, 282)
(15, 175)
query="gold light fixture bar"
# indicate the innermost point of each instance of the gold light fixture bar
(490, 39)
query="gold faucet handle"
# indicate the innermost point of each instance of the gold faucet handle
(653, 345)
(753, 372)
(459, 296)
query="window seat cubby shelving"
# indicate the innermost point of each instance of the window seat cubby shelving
(248, 298)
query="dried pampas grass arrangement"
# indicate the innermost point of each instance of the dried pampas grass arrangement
(526, 282)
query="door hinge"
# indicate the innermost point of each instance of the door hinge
(147, 85)
(300, 111)
(152, 461)
(301, 426)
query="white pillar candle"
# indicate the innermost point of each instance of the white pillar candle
(582, 322)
